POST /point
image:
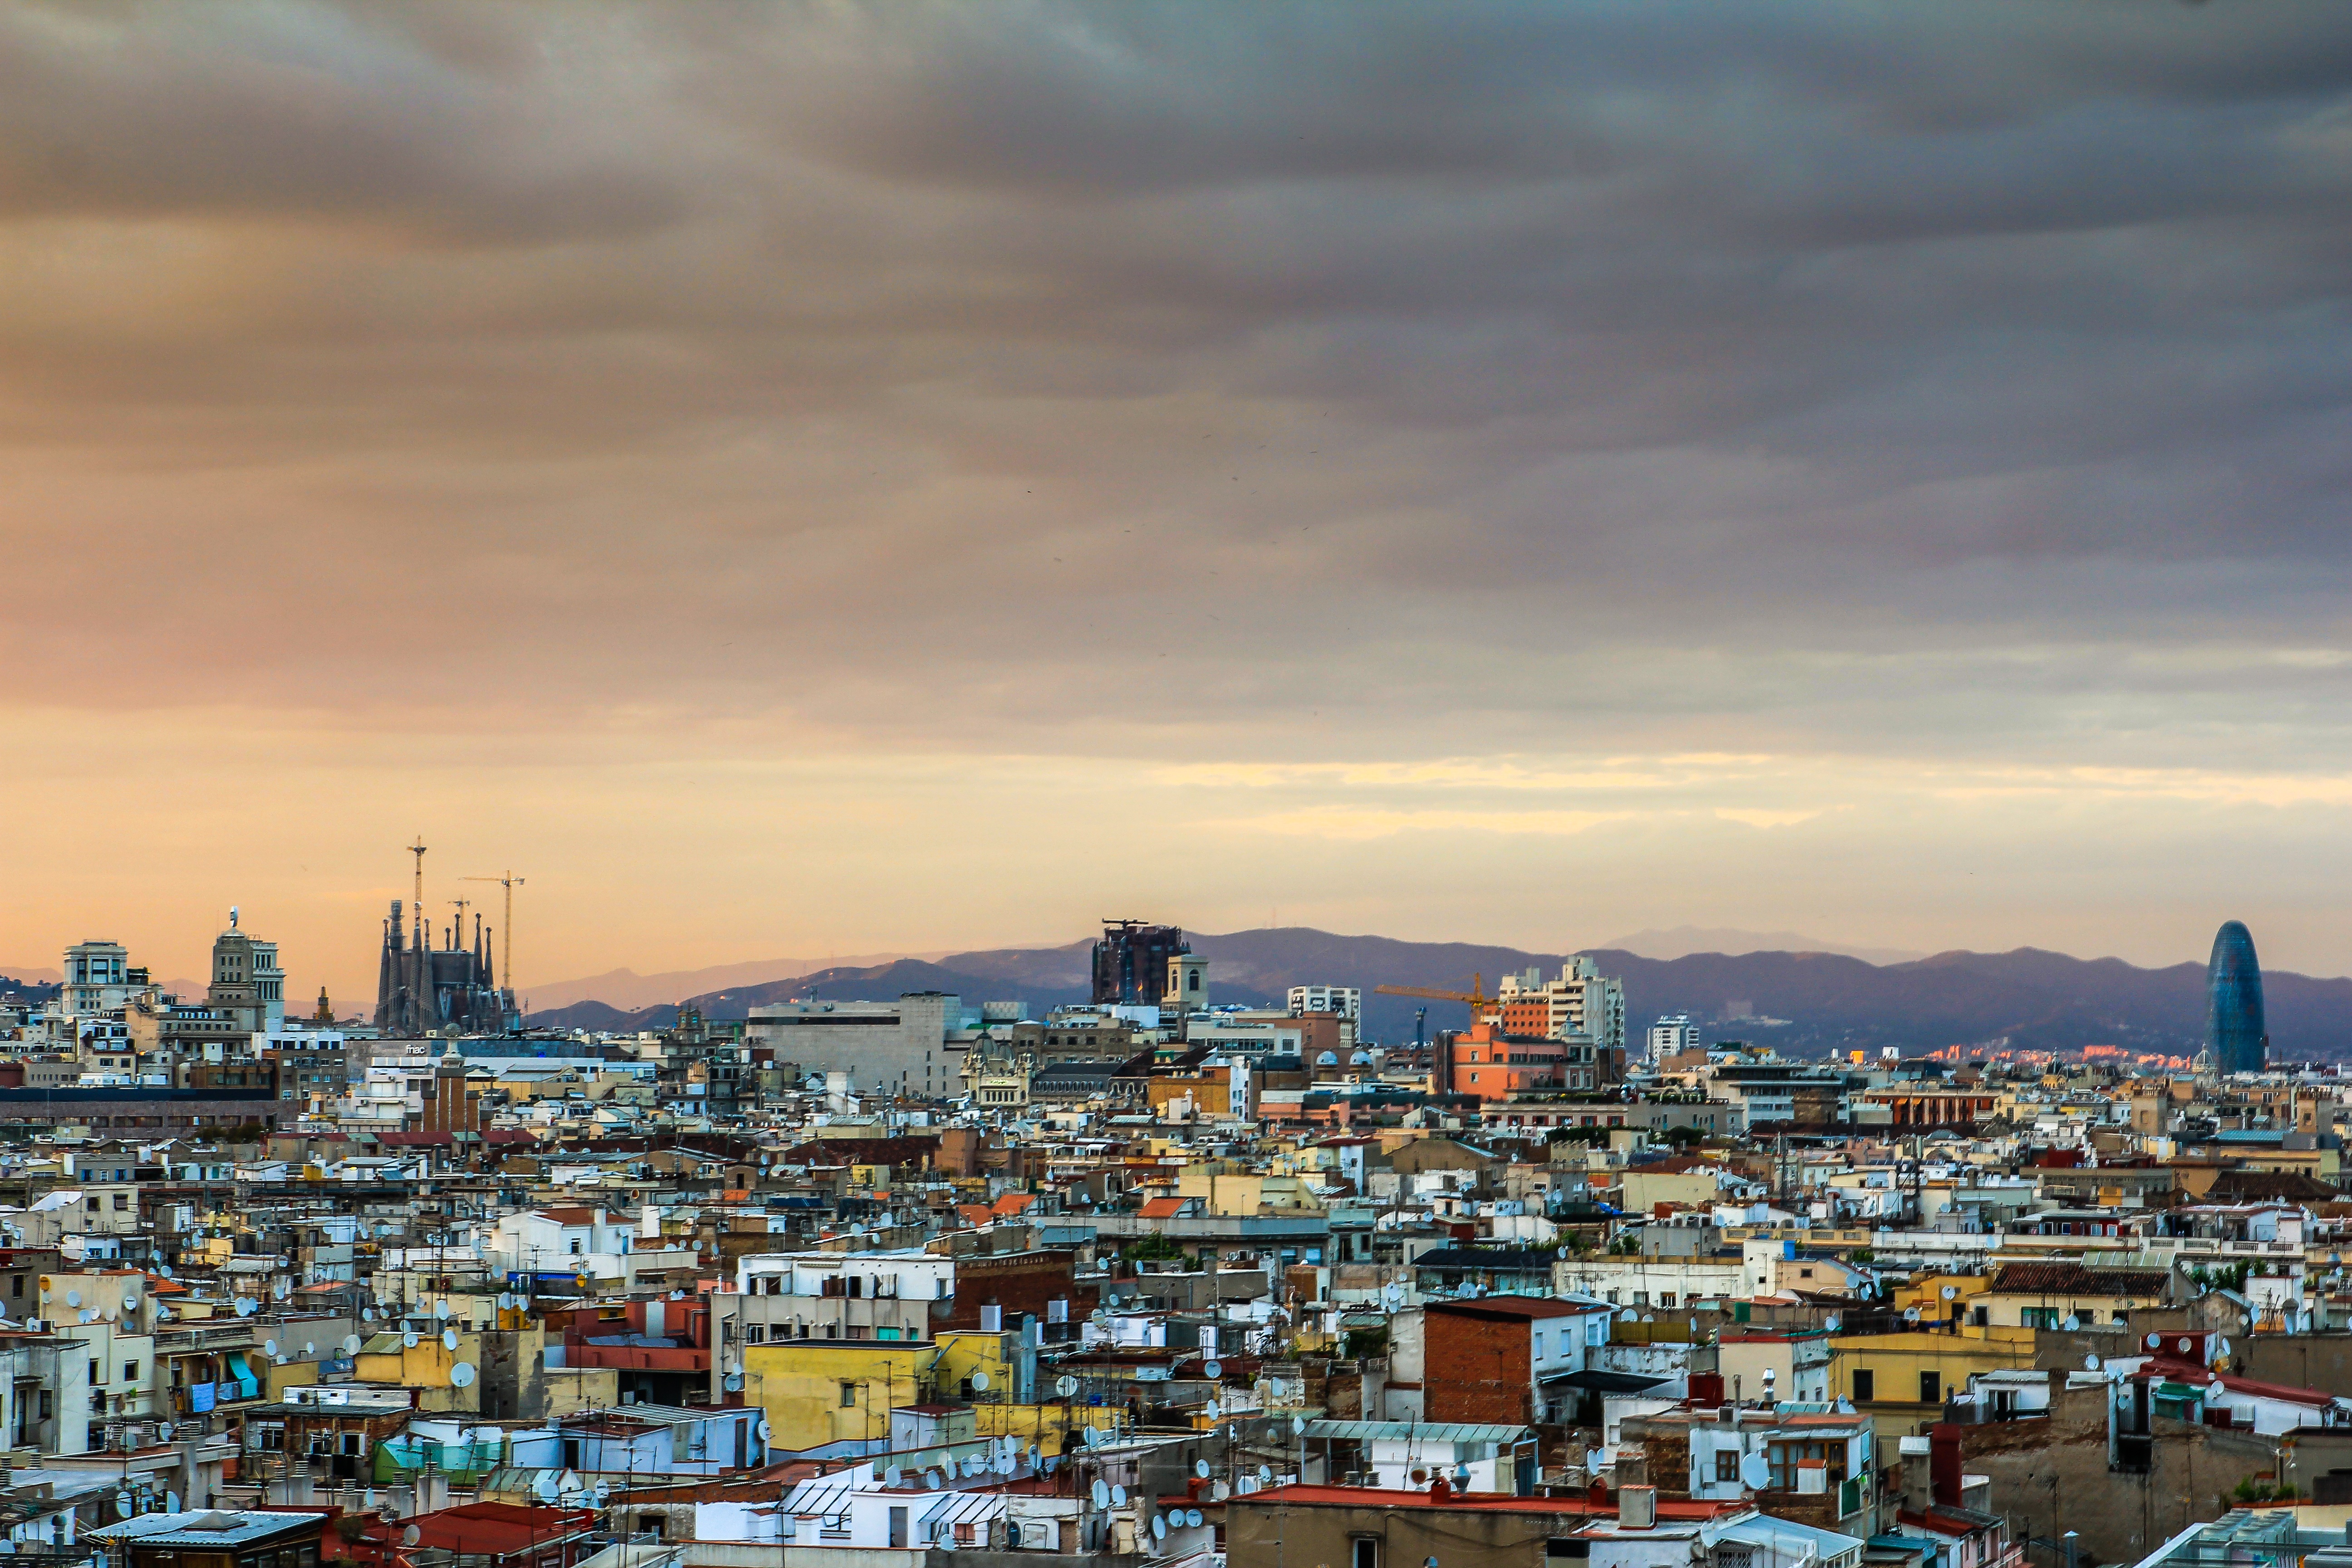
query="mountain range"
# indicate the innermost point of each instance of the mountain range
(1803, 1003)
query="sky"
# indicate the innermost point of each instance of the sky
(836, 477)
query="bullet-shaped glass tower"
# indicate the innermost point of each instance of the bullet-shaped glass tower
(2234, 1030)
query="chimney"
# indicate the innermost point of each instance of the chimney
(1944, 1463)
(1637, 1507)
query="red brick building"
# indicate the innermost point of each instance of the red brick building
(1479, 1358)
(1014, 1283)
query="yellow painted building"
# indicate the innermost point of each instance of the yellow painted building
(424, 1366)
(825, 1391)
(1902, 1380)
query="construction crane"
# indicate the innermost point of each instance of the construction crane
(1475, 996)
(509, 881)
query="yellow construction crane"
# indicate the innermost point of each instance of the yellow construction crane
(1475, 996)
(509, 881)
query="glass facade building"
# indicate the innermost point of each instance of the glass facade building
(2235, 1031)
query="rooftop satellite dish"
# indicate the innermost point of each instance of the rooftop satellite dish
(88, 1315)
(310, 1347)
(367, 1314)
(1265, 1475)
(1952, 1292)
(1910, 1314)
(412, 1535)
(1219, 1492)
(73, 1298)
(732, 1383)
(246, 1306)
(677, 1295)
(1102, 1494)
(440, 1309)
(760, 1431)
(130, 1300)
(1194, 1519)
(1118, 1495)
(2073, 1323)
(281, 1361)
(462, 1375)
(1158, 1526)
(408, 1340)
(1066, 1385)
(1201, 1469)
(269, 1347)
(545, 1490)
(1213, 1410)
(2155, 1341)
(165, 1271)
(893, 1476)
(449, 1338)
(603, 1493)
(1213, 1369)
(351, 1345)
(2090, 1363)
(932, 1479)
(1755, 1472)
(979, 1381)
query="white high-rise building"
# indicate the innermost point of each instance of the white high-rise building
(1345, 1000)
(1583, 1001)
(1674, 1033)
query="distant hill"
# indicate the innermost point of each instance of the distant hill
(626, 990)
(1682, 941)
(1806, 1004)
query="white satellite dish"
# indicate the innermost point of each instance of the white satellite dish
(163, 1314)
(603, 1493)
(440, 1309)
(979, 1381)
(893, 1476)
(1201, 1469)
(1212, 1410)
(1219, 1492)
(1755, 1472)
(932, 1479)
(506, 1301)
(462, 1375)
(1952, 1292)
(130, 1300)
(163, 1434)
(412, 1535)
(1102, 1494)
(732, 1383)
(310, 1347)
(269, 1347)
(545, 1490)
(1066, 1385)
(246, 1306)
(408, 1340)
(351, 1345)
(165, 1271)
(1158, 1526)
(88, 1315)
(2154, 1340)
(1117, 1496)
(73, 1298)
(1213, 1369)
(760, 1431)
(2225, 1344)
(2073, 1323)
(1910, 1314)
(1194, 1518)
(1298, 1426)
(449, 1338)
(1265, 1475)
(2090, 1363)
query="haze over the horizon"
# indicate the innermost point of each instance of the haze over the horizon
(912, 478)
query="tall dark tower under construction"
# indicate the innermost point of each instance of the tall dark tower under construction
(1131, 961)
(2235, 1031)
(423, 988)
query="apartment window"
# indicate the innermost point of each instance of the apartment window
(1364, 1551)
(1931, 1388)
(755, 1333)
(97, 1372)
(848, 1395)
(1866, 1385)
(1727, 1466)
(129, 1372)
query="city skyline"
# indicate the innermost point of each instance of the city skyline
(873, 478)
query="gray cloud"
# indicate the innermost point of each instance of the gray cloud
(1950, 379)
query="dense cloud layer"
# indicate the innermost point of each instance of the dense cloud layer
(1924, 403)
